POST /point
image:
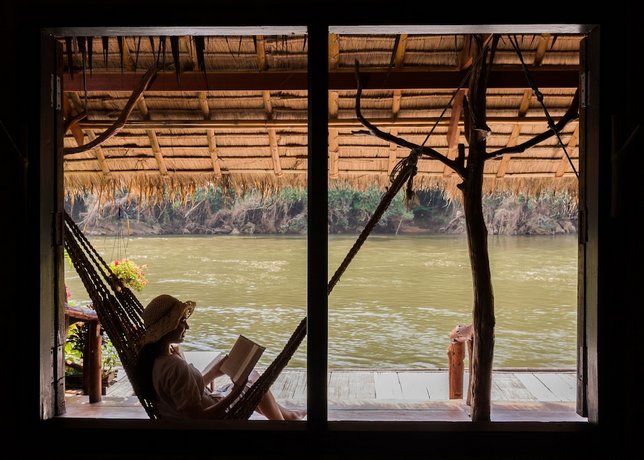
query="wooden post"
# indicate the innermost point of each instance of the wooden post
(94, 369)
(92, 351)
(458, 337)
(456, 354)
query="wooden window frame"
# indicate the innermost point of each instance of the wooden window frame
(317, 433)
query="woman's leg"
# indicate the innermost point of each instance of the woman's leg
(270, 409)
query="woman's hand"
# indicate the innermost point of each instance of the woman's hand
(218, 410)
(215, 371)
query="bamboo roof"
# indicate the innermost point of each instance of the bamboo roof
(234, 112)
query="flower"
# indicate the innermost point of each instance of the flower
(130, 274)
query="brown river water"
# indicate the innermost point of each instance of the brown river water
(394, 307)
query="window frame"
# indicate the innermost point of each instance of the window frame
(351, 436)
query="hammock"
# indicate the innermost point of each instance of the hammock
(121, 314)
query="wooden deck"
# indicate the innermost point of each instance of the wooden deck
(517, 395)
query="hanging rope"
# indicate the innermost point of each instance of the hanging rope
(406, 169)
(539, 95)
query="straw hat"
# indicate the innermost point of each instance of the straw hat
(162, 315)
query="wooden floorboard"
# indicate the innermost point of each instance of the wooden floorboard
(386, 395)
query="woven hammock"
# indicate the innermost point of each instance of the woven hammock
(121, 316)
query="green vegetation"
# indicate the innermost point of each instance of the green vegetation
(214, 211)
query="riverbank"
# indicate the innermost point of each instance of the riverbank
(213, 212)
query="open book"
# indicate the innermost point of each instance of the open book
(241, 360)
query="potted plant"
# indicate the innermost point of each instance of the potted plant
(130, 274)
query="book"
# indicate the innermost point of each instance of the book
(207, 368)
(242, 358)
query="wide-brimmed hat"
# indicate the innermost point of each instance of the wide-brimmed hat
(162, 315)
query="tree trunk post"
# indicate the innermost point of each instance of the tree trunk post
(472, 188)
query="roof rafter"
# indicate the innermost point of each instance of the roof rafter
(500, 77)
(275, 154)
(214, 156)
(407, 122)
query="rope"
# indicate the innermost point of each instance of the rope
(406, 170)
(539, 95)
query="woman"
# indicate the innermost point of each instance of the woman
(178, 389)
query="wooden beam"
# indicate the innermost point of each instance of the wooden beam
(395, 103)
(334, 51)
(77, 105)
(542, 46)
(156, 149)
(192, 52)
(152, 136)
(203, 103)
(399, 54)
(516, 130)
(260, 50)
(128, 65)
(393, 154)
(464, 59)
(212, 149)
(143, 108)
(268, 105)
(333, 105)
(453, 129)
(262, 123)
(525, 103)
(75, 129)
(505, 159)
(572, 144)
(100, 156)
(302, 171)
(275, 154)
(500, 77)
(334, 154)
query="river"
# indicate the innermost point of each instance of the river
(394, 307)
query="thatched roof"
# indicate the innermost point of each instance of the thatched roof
(246, 123)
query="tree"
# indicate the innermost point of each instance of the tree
(470, 169)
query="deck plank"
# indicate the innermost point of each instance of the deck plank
(536, 387)
(438, 386)
(506, 386)
(290, 385)
(414, 385)
(351, 385)
(387, 385)
(564, 389)
(382, 395)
